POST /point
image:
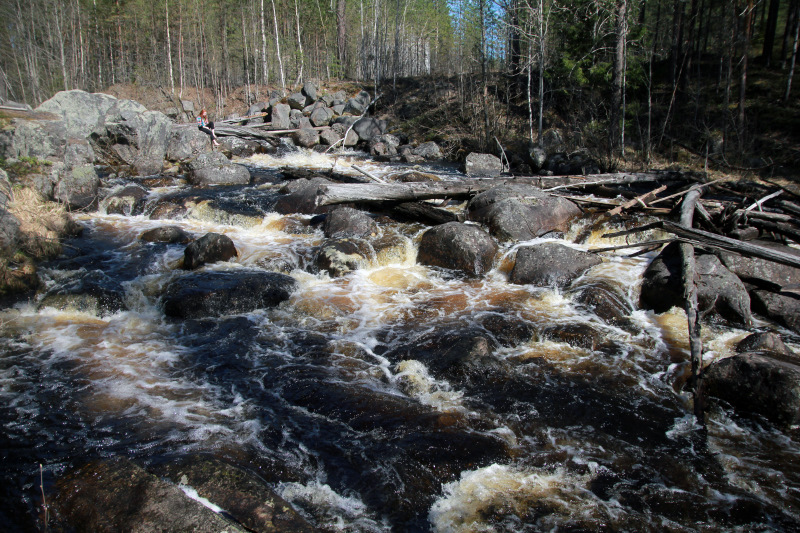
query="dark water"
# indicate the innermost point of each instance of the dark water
(395, 398)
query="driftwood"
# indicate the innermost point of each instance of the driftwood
(465, 188)
(244, 133)
(690, 304)
(643, 199)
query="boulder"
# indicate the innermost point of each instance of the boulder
(166, 234)
(369, 127)
(42, 139)
(561, 164)
(84, 113)
(429, 151)
(213, 168)
(91, 292)
(205, 294)
(321, 116)
(719, 292)
(342, 255)
(257, 109)
(606, 301)
(135, 138)
(117, 495)
(757, 383)
(297, 101)
(576, 334)
(458, 246)
(210, 248)
(239, 147)
(550, 264)
(305, 137)
(537, 157)
(186, 142)
(127, 200)
(310, 90)
(354, 106)
(302, 198)
(764, 342)
(329, 136)
(485, 165)
(280, 116)
(349, 222)
(783, 308)
(77, 187)
(520, 212)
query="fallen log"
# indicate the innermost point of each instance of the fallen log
(244, 133)
(643, 199)
(461, 189)
(704, 238)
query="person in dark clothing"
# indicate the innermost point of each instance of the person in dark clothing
(204, 125)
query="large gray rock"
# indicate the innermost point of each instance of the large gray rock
(310, 90)
(354, 106)
(349, 222)
(766, 341)
(302, 198)
(757, 383)
(719, 292)
(520, 212)
(213, 168)
(429, 151)
(550, 264)
(186, 142)
(280, 116)
(321, 116)
(42, 139)
(762, 272)
(297, 101)
(76, 187)
(166, 234)
(369, 127)
(85, 113)
(136, 139)
(458, 246)
(210, 248)
(329, 136)
(305, 137)
(485, 165)
(205, 294)
(127, 200)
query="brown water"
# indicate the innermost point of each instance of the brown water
(342, 394)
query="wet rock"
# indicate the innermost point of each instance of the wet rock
(166, 234)
(550, 264)
(579, 335)
(719, 292)
(91, 292)
(764, 342)
(186, 142)
(243, 496)
(213, 168)
(118, 495)
(460, 355)
(392, 249)
(239, 147)
(520, 212)
(216, 293)
(508, 330)
(458, 246)
(305, 137)
(429, 151)
(302, 198)
(210, 248)
(606, 302)
(783, 308)
(757, 383)
(209, 211)
(349, 222)
(128, 200)
(486, 165)
(168, 210)
(340, 256)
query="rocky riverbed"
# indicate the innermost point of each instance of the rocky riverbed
(218, 350)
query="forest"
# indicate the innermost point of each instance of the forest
(621, 79)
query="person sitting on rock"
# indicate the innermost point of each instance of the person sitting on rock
(204, 125)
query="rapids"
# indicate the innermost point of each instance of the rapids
(334, 400)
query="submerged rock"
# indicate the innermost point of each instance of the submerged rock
(349, 222)
(118, 495)
(209, 248)
(550, 264)
(458, 246)
(91, 292)
(127, 201)
(167, 234)
(783, 308)
(757, 383)
(520, 212)
(344, 254)
(205, 294)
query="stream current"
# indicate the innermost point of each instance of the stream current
(334, 400)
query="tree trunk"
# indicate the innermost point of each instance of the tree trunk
(746, 48)
(341, 35)
(615, 137)
(278, 45)
(769, 32)
(169, 49)
(299, 44)
(792, 62)
(264, 72)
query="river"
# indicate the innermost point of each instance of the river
(363, 429)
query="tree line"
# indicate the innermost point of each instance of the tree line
(636, 71)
